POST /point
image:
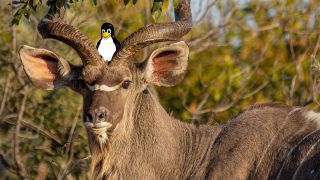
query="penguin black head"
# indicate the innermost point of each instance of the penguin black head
(107, 30)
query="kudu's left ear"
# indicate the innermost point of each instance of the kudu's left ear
(167, 65)
(44, 68)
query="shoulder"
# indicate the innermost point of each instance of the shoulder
(270, 105)
(268, 110)
(274, 114)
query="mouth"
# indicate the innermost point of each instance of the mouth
(101, 125)
(99, 130)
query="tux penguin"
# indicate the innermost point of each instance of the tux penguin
(108, 44)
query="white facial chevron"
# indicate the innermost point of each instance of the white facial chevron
(103, 87)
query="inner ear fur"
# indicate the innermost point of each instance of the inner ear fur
(167, 65)
(44, 68)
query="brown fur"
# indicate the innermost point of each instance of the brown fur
(268, 141)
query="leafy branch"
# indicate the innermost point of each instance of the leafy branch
(26, 7)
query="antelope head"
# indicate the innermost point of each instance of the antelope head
(106, 88)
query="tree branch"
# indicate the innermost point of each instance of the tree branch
(67, 169)
(30, 125)
(4, 98)
(21, 170)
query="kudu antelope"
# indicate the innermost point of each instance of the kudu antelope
(131, 136)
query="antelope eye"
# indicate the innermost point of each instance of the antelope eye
(92, 83)
(126, 84)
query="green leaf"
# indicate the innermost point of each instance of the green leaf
(18, 15)
(126, 1)
(94, 2)
(27, 12)
(156, 9)
(176, 3)
(36, 3)
(33, 4)
(165, 5)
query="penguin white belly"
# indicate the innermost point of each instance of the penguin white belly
(107, 48)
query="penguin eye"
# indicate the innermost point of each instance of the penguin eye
(103, 31)
(109, 31)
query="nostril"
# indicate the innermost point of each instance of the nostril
(88, 117)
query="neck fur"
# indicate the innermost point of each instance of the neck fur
(143, 120)
(148, 132)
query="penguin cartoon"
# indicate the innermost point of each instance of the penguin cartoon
(108, 44)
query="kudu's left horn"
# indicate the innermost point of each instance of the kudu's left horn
(157, 32)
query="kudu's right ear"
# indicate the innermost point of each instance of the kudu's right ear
(167, 65)
(44, 68)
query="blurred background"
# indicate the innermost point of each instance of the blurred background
(242, 52)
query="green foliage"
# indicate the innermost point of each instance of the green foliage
(158, 7)
(30, 6)
(23, 11)
(126, 1)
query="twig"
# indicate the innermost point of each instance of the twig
(33, 127)
(21, 170)
(5, 163)
(256, 90)
(52, 168)
(67, 169)
(204, 13)
(269, 27)
(218, 109)
(206, 46)
(9, 116)
(4, 98)
(201, 104)
(314, 71)
(213, 32)
(71, 134)
(315, 51)
(71, 165)
(233, 102)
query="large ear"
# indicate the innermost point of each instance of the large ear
(167, 65)
(44, 68)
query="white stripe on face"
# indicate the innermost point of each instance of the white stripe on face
(103, 87)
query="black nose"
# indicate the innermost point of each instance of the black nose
(95, 116)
